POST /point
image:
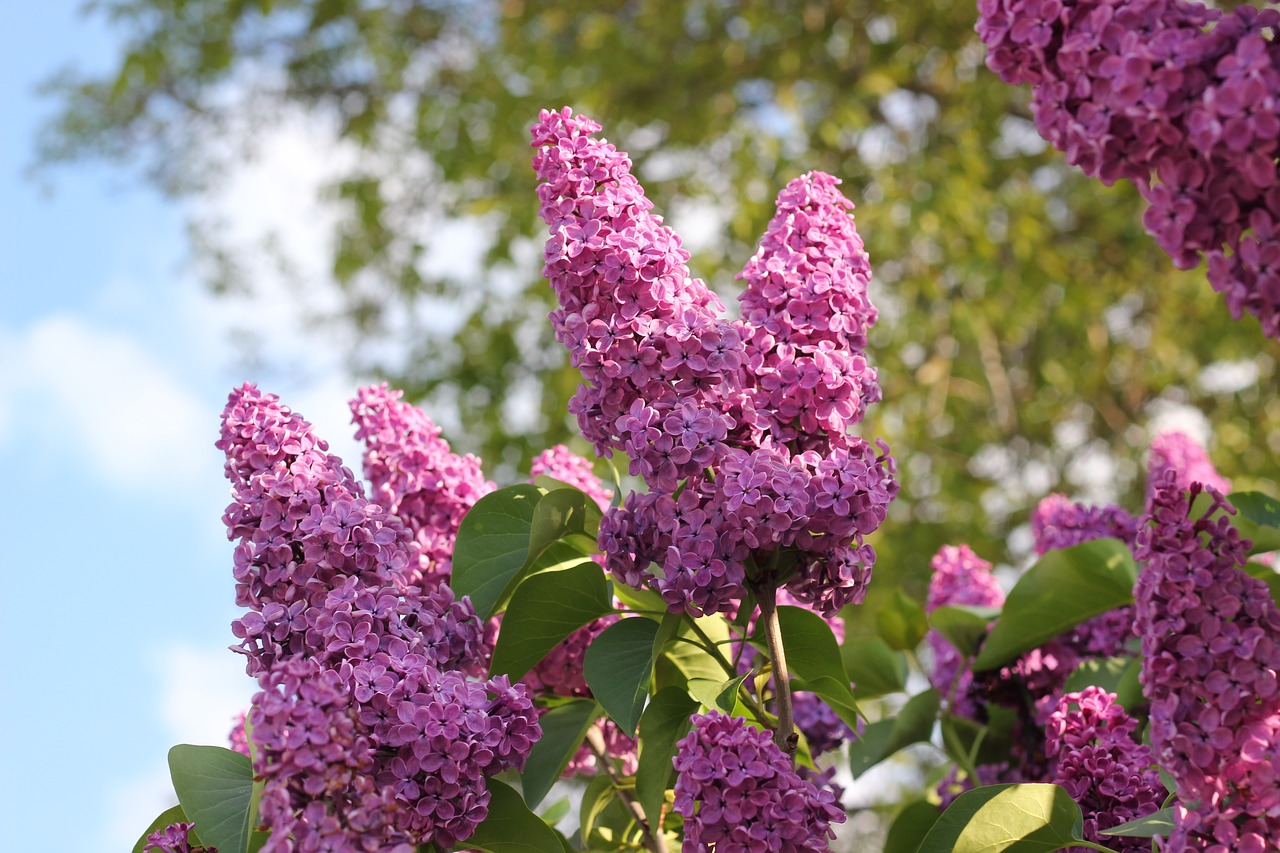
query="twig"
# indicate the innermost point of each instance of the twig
(653, 838)
(784, 735)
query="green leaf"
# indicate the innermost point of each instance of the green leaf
(595, 799)
(167, 818)
(617, 665)
(563, 729)
(874, 668)
(685, 653)
(215, 787)
(510, 827)
(1014, 818)
(913, 724)
(964, 625)
(1266, 574)
(1118, 675)
(969, 743)
(1156, 823)
(555, 812)
(837, 696)
(640, 599)
(901, 622)
(1258, 520)
(813, 656)
(1063, 589)
(910, 827)
(717, 694)
(492, 545)
(662, 724)
(564, 513)
(546, 608)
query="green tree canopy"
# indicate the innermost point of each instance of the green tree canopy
(1028, 322)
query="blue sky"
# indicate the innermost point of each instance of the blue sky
(114, 366)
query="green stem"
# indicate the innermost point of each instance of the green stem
(714, 650)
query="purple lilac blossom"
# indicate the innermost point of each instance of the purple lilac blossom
(1180, 99)
(1090, 739)
(413, 473)
(173, 839)
(561, 463)
(367, 731)
(959, 576)
(1182, 455)
(668, 382)
(1211, 651)
(237, 739)
(1057, 523)
(737, 791)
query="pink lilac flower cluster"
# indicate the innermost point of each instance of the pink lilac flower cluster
(174, 839)
(1112, 776)
(561, 463)
(1182, 455)
(367, 730)
(237, 738)
(413, 473)
(1211, 653)
(737, 791)
(1180, 99)
(744, 446)
(1058, 523)
(959, 576)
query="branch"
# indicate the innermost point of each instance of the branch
(784, 735)
(653, 839)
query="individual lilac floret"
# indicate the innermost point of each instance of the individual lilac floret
(1211, 651)
(1182, 455)
(1102, 766)
(174, 838)
(1178, 98)
(646, 335)
(366, 731)
(413, 473)
(1057, 523)
(561, 463)
(737, 792)
(959, 577)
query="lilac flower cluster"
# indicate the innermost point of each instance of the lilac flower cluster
(1058, 523)
(368, 732)
(1180, 99)
(1090, 739)
(1182, 455)
(737, 792)
(413, 473)
(959, 576)
(739, 430)
(174, 838)
(561, 463)
(1211, 651)
(237, 738)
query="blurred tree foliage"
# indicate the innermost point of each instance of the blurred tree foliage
(1030, 329)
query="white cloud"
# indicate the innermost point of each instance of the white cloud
(202, 691)
(101, 396)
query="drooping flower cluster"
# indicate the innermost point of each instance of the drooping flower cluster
(1182, 455)
(737, 792)
(744, 447)
(368, 733)
(1211, 653)
(959, 576)
(172, 839)
(1113, 777)
(1180, 99)
(413, 473)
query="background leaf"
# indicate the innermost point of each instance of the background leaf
(492, 544)
(1258, 519)
(900, 622)
(910, 826)
(618, 665)
(1013, 818)
(215, 787)
(913, 724)
(874, 668)
(1157, 823)
(563, 728)
(510, 826)
(663, 723)
(964, 625)
(1062, 589)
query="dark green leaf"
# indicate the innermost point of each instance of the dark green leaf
(1157, 823)
(492, 545)
(901, 622)
(913, 724)
(563, 729)
(595, 799)
(1062, 589)
(1118, 675)
(964, 625)
(167, 818)
(510, 827)
(556, 811)
(617, 665)
(874, 668)
(969, 743)
(565, 513)
(910, 827)
(215, 787)
(836, 694)
(662, 724)
(1013, 818)
(545, 609)
(809, 644)
(1258, 520)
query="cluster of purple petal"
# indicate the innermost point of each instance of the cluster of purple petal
(739, 430)
(617, 745)
(367, 730)
(172, 839)
(561, 463)
(413, 473)
(1211, 653)
(1180, 99)
(959, 576)
(1180, 454)
(1058, 523)
(737, 791)
(1090, 739)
